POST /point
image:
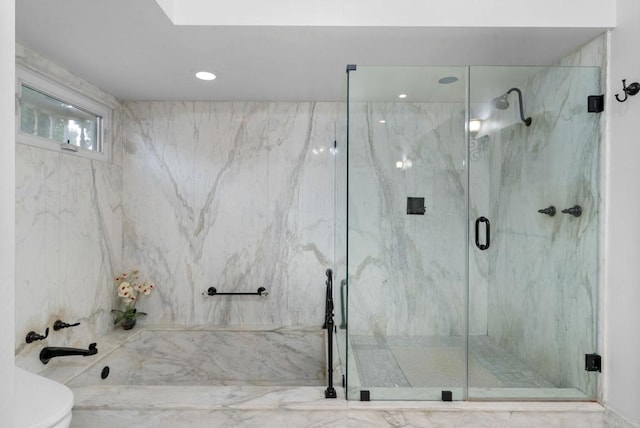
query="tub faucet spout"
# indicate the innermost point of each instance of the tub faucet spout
(50, 352)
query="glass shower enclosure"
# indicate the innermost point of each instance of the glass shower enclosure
(471, 212)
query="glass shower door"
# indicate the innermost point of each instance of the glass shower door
(533, 291)
(406, 245)
(472, 233)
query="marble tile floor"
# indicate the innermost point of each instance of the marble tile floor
(246, 406)
(194, 406)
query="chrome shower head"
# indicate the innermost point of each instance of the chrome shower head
(502, 103)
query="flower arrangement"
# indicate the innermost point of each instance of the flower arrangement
(130, 289)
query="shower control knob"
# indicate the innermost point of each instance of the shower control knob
(575, 211)
(550, 211)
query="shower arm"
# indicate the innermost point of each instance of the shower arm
(527, 121)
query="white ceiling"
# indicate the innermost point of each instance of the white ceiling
(130, 49)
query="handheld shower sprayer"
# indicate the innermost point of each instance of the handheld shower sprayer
(502, 103)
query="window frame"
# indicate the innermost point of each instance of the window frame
(64, 94)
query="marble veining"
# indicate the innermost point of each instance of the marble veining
(165, 405)
(68, 232)
(535, 292)
(305, 407)
(242, 193)
(407, 273)
(543, 277)
(214, 357)
(340, 419)
(68, 238)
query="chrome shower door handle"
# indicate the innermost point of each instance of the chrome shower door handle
(487, 233)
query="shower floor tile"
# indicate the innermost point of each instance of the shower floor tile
(439, 361)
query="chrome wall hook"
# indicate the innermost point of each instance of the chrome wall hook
(632, 89)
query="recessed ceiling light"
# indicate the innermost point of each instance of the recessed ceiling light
(448, 79)
(402, 96)
(382, 121)
(205, 75)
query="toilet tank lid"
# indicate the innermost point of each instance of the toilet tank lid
(40, 402)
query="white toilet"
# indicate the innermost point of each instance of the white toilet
(41, 402)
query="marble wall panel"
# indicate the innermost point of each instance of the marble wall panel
(241, 195)
(68, 232)
(407, 274)
(543, 277)
(68, 240)
(235, 196)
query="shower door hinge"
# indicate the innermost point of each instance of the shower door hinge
(593, 363)
(595, 103)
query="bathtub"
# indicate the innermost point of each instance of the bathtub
(168, 367)
(208, 377)
(213, 357)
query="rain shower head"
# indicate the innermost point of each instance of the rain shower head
(502, 103)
